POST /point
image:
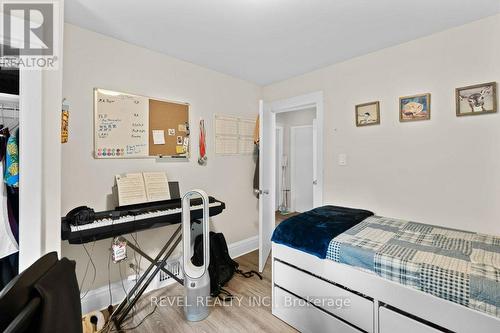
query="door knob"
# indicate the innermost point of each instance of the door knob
(262, 191)
(315, 182)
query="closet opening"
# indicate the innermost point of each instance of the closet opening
(9, 173)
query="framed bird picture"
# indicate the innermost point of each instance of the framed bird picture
(368, 114)
(476, 99)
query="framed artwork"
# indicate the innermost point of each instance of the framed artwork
(476, 99)
(368, 114)
(417, 107)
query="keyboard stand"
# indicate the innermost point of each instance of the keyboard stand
(158, 263)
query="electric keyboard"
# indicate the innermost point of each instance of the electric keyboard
(133, 218)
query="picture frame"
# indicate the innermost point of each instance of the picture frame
(476, 99)
(367, 114)
(415, 107)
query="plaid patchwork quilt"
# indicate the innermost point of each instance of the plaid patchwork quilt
(459, 266)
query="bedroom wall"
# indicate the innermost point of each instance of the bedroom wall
(93, 60)
(444, 171)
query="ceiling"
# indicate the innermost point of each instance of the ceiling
(265, 41)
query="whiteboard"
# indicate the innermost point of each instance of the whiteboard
(121, 125)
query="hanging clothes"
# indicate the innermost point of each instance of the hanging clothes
(256, 135)
(11, 177)
(8, 243)
(8, 269)
(13, 209)
(256, 139)
(9, 215)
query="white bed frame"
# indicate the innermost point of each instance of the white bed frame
(376, 305)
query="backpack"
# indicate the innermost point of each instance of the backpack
(221, 268)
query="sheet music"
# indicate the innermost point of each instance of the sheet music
(131, 189)
(156, 186)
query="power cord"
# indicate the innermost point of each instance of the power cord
(90, 261)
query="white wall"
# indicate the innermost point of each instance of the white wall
(93, 60)
(444, 171)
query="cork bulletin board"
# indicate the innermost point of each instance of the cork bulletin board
(173, 120)
(134, 126)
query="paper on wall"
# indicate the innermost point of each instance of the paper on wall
(158, 137)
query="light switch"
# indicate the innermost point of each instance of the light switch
(342, 159)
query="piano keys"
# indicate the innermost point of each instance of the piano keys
(133, 218)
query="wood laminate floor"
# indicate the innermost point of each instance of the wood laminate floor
(280, 218)
(245, 317)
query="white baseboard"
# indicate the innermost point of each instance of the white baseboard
(243, 246)
(98, 299)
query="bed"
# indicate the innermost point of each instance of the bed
(347, 270)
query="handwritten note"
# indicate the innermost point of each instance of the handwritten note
(121, 123)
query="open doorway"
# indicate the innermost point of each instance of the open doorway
(268, 161)
(294, 162)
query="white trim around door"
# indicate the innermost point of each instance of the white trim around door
(268, 162)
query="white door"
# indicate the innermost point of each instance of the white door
(302, 168)
(267, 181)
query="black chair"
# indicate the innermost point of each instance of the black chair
(43, 298)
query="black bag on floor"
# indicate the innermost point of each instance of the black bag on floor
(221, 267)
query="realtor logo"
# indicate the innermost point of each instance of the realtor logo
(36, 24)
(29, 34)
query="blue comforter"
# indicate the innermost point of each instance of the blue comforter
(312, 231)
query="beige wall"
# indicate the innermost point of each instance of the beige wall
(444, 171)
(93, 60)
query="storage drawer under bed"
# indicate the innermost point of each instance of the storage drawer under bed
(336, 300)
(306, 318)
(392, 321)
